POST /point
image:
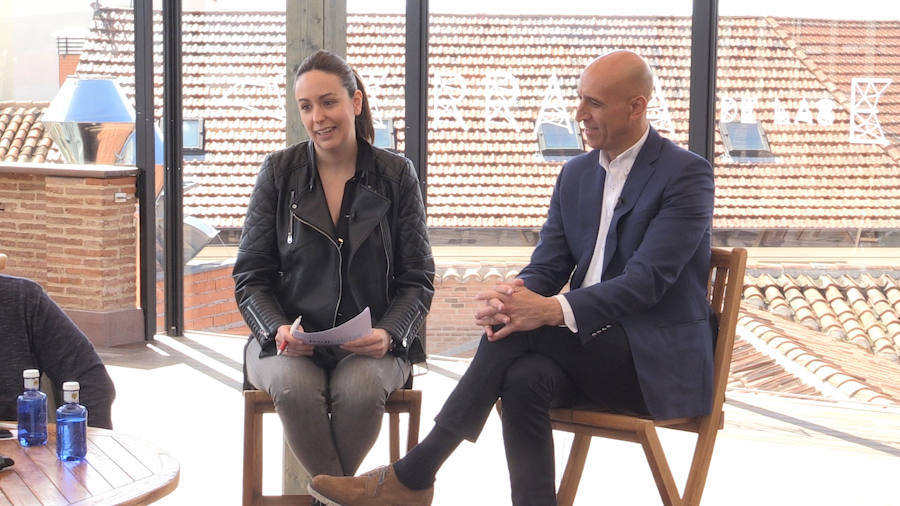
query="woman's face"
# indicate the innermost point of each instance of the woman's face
(326, 110)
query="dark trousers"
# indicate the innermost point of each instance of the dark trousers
(533, 372)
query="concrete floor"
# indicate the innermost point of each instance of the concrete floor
(184, 395)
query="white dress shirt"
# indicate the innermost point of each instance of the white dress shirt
(616, 174)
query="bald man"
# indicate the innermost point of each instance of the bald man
(628, 229)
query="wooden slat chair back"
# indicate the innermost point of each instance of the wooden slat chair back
(725, 286)
(257, 403)
(2, 261)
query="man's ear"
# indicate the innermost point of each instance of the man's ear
(638, 106)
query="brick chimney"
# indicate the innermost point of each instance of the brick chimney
(69, 51)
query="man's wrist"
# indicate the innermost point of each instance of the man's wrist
(555, 314)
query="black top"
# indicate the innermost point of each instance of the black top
(36, 334)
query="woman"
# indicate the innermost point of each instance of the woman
(334, 225)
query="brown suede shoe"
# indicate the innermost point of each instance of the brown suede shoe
(379, 487)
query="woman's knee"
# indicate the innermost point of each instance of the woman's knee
(365, 385)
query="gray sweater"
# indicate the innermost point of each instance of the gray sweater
(36, 334)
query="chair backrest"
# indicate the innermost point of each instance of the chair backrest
(2, 261)
(726, 284)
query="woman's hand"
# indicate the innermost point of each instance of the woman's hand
(374, 345)
(289, 345)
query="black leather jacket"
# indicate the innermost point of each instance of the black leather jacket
(288, 265)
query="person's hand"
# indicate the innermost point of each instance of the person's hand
(516, 308)
(289, 345)
(374, 345)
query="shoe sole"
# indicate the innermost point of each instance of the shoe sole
(320, 497)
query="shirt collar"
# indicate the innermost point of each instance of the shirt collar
(627, 158)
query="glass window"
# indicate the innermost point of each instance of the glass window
(560, 142)
(192, 132)
(385, 136)
(807, 145)
(502, 99)
(745, 142)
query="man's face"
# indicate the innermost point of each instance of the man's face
(607, 115)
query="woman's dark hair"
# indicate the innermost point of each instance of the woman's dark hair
(326, 61)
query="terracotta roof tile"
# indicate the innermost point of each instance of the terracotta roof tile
(233, 78)
(860, 375)
(23, 137)
(852, 308)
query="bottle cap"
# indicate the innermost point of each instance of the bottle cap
(71, 385)
(31, 373)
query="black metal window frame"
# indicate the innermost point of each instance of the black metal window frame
(700, 139)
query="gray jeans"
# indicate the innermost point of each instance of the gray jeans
(331, 416)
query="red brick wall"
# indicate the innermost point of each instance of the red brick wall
(91, 256)
(451, 320)
(71, 235)
(23, 228)
(209, 306)
(208, 303)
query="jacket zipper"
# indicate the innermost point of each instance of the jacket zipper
(262, 327)
(387, 267)
(337, 246)
(290, 237)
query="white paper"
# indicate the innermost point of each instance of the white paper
(358, 326)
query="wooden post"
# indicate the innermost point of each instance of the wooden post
(311, 25)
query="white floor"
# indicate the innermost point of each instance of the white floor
(184, 395)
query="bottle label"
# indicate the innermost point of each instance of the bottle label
(70, 396)
(31, 383)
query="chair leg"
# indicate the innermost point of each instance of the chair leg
(252, 482)
(659, 466)
(394, 421)
(706, 441)
(415, 414)
(574, 467)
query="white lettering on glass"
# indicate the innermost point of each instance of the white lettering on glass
(728, 109)
(864, 125)
(450, 89)
(240, 94)
(748, 106)
(501, 90)
(825, 111)
(658, 109)
(374, 83)
(781, 115)
(804, 114)
(553, 108)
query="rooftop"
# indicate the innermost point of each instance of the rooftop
(490, 77)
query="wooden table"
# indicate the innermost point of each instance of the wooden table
(118, 469)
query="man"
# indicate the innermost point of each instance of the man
(629, 229)
(36, 334)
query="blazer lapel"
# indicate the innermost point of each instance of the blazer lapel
(641, 172)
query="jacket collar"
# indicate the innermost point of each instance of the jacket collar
(365, 163)
(368, 205)
(644, 167)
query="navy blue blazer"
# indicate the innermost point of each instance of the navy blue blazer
(655, 268)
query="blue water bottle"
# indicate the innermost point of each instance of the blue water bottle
(32, 416)
(71, 425)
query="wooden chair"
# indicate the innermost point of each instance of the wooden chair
(726, 285)
(256, 403)
(2, 261)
